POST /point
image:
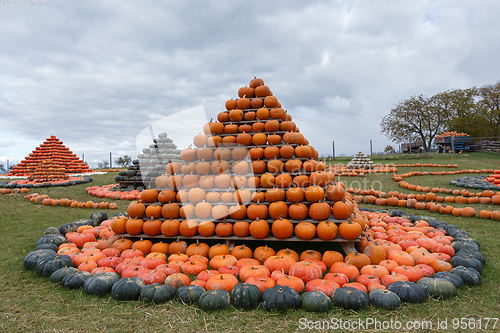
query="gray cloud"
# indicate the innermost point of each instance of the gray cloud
(96, 73)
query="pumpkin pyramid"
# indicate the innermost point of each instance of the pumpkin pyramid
(360, 161)
(51, 149)
(154, 159)
(251, 175)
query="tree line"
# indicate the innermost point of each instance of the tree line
(475, 111)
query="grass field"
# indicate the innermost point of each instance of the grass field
(30, 303)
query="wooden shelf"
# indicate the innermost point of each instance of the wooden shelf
(270, 221)
(248, 238)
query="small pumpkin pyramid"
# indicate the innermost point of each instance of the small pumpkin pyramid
(151, 162)
(360, 161)
(251, 171)
(51, 149)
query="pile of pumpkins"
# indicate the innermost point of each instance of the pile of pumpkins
(131, 178)
(397, 261)
(155, 158)
(250, 174)
(51, 149)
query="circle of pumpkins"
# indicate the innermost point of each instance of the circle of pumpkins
(400, 259)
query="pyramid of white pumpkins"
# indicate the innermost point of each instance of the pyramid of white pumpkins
(360, 161)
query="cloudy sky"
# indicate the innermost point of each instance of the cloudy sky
(97, 73)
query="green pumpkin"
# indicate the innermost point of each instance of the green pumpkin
(350, 298)
(100, 284)
(466, 261)
(57, 239)
(158, 293)
(453, 278)
(437, 287)
(189, 294)
(408, 291)
(51, 231)
(99, 217)
(72, 227)
(384, 299)
(316, 301)
(58, 275)
(46, 266)
(459, 245)
(214, 300)
(471, 254)
(280, 298)
(245, 296)
(127, 289)
(469, 275)
(75, 280)
(32, 258)
(47, 246)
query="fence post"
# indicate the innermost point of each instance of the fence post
(8, 166)
(333, 147)
(409, 146)
(453, 143)
(371, 150)
(110, 161)
(83, 158)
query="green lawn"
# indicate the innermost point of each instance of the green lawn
(31, 303)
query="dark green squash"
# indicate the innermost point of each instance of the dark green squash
(58, 275)
(47, 246)
(57, 239)
(408, 291)
(471, 254)
(466, 261)
(316, 301)
(453, 278)
(158, 293)
(46, 266)
(437, 287)
(75, 280)
(127, 289)
(459, 245)
(350, 298)
(31, 258)
(50, 231)
(280, 298)
(100, 284)
(217, 299)
(189, 294)
(73, 226)
(469, 275)
(385, 299)
(99, 217)
(245, 296)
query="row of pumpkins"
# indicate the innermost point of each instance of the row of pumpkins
(398, 261)
(180, 219)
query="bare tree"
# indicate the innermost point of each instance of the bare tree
(414, 119)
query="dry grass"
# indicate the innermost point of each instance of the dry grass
(34, 304)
